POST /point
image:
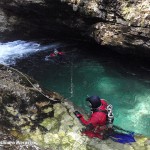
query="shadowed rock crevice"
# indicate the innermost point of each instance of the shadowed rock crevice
(101, 21)
(37, 19)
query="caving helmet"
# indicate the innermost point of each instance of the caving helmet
(94, 101)
(55, 51)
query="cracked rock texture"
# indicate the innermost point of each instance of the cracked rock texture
(122, 25)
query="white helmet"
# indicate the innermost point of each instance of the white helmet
(55, 51)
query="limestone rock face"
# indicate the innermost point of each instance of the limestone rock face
(30, 19)
(45, 119)
(122, 25)
(125, 25)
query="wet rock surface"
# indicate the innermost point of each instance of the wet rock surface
(120, 25)
(33, 118)
(123, 25)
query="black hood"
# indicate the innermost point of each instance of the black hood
(95, 101)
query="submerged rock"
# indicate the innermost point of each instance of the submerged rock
(44, 118)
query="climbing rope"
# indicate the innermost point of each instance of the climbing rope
(71, 80)
(31, 83)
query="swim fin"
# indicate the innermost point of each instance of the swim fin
(123, 138)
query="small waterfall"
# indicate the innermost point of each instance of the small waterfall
(11, 51)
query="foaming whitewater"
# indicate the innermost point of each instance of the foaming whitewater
(11, 51)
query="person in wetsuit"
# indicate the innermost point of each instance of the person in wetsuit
(96, 125)
(57, 56)
(56, 53)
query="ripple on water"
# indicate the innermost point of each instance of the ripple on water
(137, 118)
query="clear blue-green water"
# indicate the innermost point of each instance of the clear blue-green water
(122, 81)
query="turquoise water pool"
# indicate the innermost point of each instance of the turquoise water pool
(124, 84)
(88, 70)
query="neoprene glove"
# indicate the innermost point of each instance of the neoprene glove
(77, 114)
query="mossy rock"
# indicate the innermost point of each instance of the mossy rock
(50, 123)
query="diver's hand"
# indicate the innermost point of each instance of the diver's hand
(77, 114)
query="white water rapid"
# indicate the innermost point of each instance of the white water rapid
(11, 51)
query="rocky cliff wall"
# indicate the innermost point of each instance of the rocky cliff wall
(33, 19)
(122, 25)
